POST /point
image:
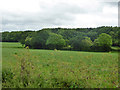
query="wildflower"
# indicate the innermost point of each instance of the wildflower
(27, 47)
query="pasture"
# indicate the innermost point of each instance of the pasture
(57, 68)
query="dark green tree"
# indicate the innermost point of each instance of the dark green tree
(39, 39)
(81, 43)
(86, 44)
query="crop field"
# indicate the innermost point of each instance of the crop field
(37, 68)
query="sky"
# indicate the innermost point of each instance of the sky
(21, 15)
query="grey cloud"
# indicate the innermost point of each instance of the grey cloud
(67, 8)
(34, 20)
(55, 15)
(114, 4)
(58, 15)
(47, 17)
(71, 8)
(61, 11)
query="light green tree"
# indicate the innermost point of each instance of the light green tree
(28, 41)
(86, 43)
(55, 41)
(103, 42)
(103, 39)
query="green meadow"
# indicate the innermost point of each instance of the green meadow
(38, 68)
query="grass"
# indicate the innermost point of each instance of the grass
(58, 69)
(116, 48)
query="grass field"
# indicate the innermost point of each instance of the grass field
(58, 69)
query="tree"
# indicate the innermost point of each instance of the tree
(39, 39)
(28, 42)
(81, 43)
(119, 38)
(92, 35)
(76, 42)
(67, 34)
(86, 44)
(55, 41)
(103, 42)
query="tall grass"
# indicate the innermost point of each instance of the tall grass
(59, 69)
(21, 73)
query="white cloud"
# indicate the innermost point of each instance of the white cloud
(20, 5)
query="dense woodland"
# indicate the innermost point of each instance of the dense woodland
(81, 39)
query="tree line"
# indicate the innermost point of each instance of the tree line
(81, 39)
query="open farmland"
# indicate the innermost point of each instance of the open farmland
(57, 68)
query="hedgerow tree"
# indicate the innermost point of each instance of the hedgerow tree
(86, 44)
(76, 42)
(103, 42)
(55, 41)
(28, 42)
(39, 39)
(119, 38)
(81, 43)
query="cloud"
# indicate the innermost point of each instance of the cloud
(38, 14)
(115, 4)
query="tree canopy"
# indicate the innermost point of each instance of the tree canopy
(94, 39)
(103, 42)
(55, 41)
